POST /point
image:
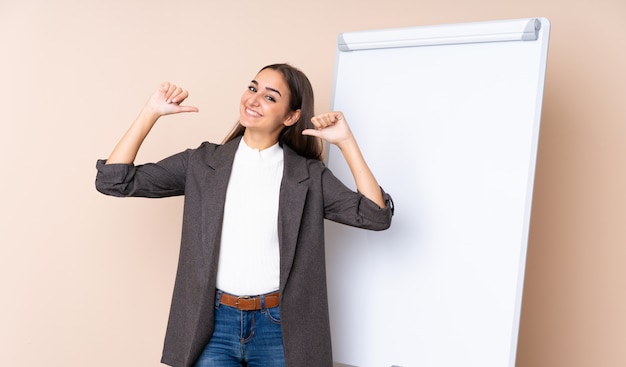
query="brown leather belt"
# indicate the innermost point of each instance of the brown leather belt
(248, 303)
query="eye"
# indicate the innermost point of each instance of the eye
(270, 98)
(252, 89)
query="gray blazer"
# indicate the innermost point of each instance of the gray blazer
(309, 193)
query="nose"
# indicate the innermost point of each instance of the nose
(253, 100)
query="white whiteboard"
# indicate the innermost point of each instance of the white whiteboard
(448, 119)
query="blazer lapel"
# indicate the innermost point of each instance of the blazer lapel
(293, 193)
(214, 184)
(223, 157)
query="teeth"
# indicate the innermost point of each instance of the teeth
(252, 112)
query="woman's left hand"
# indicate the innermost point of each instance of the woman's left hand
(331, 127)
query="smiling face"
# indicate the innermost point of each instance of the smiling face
(264, 108)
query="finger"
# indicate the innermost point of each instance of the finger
(179, 95)
(174, 98)
(321, 121)
(163, 87)
(327, 119)
(333, 117)
(170, 92)
(316, 122)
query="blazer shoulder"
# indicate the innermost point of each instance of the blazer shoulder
(215, 155)
(301, 167)
(207, 147)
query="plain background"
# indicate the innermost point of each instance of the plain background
(86, 279)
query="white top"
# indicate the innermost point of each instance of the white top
(249, 262)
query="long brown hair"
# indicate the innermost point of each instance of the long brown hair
(300, 97)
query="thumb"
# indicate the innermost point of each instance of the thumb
(188, 109)
(311, 132)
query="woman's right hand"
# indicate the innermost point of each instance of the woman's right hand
(165, 101)
(167, 98)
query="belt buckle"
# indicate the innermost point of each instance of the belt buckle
(246, 298)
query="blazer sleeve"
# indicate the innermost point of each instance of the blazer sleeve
(345, 206)
(153, 180)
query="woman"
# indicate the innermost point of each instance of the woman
(250, 287)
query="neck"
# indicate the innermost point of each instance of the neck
(259, 141)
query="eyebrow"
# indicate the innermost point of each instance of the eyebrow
(268, 88)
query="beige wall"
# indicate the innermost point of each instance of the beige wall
(85, 279)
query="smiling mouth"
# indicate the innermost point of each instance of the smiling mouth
(252, 112)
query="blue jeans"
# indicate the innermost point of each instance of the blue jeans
(244, 338)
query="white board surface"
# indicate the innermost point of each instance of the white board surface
(448, 119)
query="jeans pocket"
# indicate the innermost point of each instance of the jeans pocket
(273, 314)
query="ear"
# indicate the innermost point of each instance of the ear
(292, 118)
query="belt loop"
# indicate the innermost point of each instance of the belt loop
(262, 302)
(218, 296)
